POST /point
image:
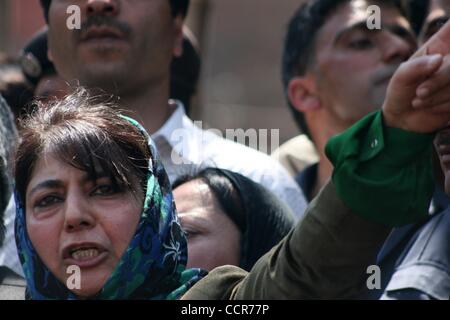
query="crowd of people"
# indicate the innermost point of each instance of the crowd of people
(96, 175)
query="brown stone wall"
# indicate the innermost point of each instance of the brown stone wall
(241, 45)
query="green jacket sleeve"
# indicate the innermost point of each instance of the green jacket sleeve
(324, 257)
(383, 174)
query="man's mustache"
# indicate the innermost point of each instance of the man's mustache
(103, 21)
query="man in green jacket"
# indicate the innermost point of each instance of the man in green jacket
(383, 178)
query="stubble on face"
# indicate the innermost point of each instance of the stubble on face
(352, 78)
(130, 50)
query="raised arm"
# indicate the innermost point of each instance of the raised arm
(417, 99)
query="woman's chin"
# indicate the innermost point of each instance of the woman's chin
(91, 283)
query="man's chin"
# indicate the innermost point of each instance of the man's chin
(378, 96)
(104, 77)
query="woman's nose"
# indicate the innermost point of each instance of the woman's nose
(78, 215)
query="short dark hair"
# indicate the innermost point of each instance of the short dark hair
(300, 39)
(89, 135)
(178, 7)
(185, 72)
(417, 11)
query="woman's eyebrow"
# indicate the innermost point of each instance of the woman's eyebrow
(47, 184)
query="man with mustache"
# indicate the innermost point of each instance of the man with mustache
(125, 48)
(336, 70)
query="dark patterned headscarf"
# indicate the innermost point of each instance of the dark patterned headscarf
(152, 267)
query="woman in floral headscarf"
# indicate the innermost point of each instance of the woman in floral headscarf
(95, 205)
(83, 175)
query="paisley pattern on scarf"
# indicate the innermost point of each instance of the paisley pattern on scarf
(152, 267)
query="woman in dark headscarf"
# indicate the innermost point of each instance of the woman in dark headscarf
(229, 219)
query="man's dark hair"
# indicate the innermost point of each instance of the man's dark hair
(300, 39)
(417, 11)
(185, 72)
(178, 7)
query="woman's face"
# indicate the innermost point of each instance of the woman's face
(213, 239)
(74, 221)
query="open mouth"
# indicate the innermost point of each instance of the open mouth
(84, 255)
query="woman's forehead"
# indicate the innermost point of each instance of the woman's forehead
(51, 167)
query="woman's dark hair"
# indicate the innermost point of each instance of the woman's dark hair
(262, 219)
(89, 135)
(185, 71)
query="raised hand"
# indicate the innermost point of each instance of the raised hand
(418, 96)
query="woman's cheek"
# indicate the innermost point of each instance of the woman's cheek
(45, 238)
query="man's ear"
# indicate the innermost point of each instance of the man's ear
(302, 94)
(178, 41)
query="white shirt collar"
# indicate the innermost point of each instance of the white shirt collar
(174, 122)
(192, 147)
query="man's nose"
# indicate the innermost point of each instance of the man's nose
(397, 49)
(102, 7)
(78, 215)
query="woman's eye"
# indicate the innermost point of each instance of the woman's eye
(190, 233)
(104, 190)
(47, 201)
(360, 44)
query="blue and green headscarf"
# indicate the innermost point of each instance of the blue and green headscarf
(152, 267)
